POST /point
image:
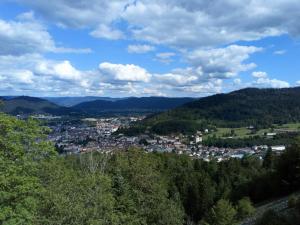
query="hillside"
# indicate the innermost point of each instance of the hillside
(102, 106)
(131, 105)
(251, 106)
(29, 105)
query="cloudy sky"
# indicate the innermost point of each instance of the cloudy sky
(147, 47)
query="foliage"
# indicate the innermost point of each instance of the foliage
(223, 213)
(281, 139)
(131, 187)
(22, 147)
(273, 218)
(292, 201)
(269, 159)
(245, 208)
(260, 108)
(75, 196)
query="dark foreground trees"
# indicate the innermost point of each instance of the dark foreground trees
(22, 148)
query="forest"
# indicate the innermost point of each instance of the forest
(261, 108)
(38, 186)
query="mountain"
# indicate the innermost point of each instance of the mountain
(71, 101)
(29, 105)
(131, 105)
(251, 106)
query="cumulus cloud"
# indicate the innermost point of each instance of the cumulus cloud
(175, 79)
(27, 35)
(274, 83)
(61, 70)
(203, 37)
(34, 73)
(139, 49)
(205, 88)
(217, 23)
(128, 72)
(259, 74)
(222, 62)
(264, 81)
(104, 31)
(200, 25)
(79, 13)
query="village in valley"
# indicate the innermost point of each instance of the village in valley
(100, 134)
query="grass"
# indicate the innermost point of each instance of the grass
(243, 132)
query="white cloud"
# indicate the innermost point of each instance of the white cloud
(279, 52)
(217, 23)
(62, 70)
(178, 23)
(274, 83)
(206, 88)
(259, 74)
(222, 62)
(175, 79)
(262, 80)
(27, 35)
(128, 72)
(32, 73)
(139, 49)
(152, 92)
(104, 31)
(193, 29)
(79, 13)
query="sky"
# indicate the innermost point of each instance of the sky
(121, 48)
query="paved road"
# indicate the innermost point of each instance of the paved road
(277, 205)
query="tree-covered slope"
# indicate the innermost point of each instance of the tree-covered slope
(144, 104)
(251, 106)
(31, 105)
(271, 105)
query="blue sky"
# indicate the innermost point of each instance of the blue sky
(147, 48)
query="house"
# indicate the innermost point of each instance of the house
(278, 148)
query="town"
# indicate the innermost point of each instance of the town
(100, 134)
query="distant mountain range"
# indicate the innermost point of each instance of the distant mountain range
(131, 105)
(24, 105)
(105, 106)
(245, 107)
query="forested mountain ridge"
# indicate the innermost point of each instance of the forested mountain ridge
(133, 104)
(274, 105)
(30, 105)
(251, 106)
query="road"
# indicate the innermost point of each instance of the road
(278, 205)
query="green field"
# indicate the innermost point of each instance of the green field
(244, 132)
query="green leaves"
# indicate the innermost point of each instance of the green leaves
(22, 146)
(223, 213)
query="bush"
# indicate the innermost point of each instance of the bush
(292, 201)
(245, 208)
